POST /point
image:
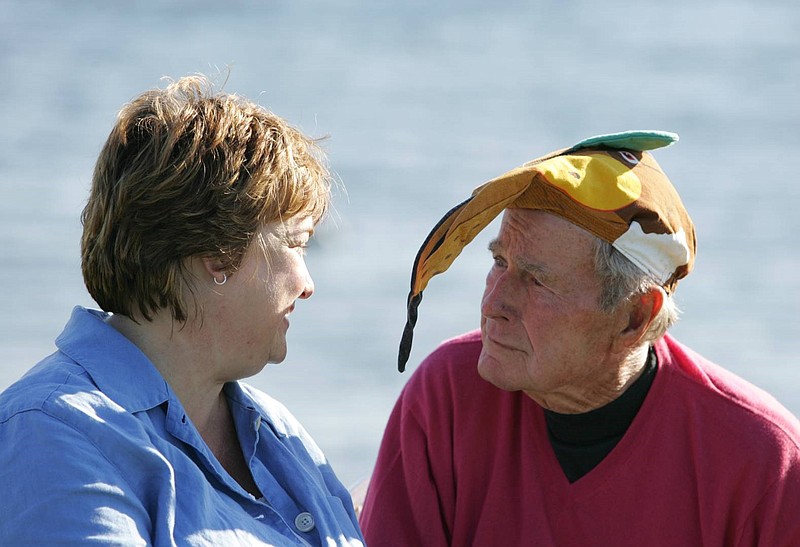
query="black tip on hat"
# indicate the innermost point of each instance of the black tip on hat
(408, 332)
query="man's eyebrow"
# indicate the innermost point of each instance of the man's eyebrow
(534, 268)
(525, 264)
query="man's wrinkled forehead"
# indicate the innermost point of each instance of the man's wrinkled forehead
(527, 225)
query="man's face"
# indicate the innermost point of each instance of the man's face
(542, 328)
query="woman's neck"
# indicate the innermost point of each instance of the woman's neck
(181, 356)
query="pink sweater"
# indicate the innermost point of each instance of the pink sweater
(709, 460)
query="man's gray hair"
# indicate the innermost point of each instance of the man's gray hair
(621, 281)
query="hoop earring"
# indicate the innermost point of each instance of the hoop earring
(224, 279)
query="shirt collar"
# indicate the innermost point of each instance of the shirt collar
(114, 363)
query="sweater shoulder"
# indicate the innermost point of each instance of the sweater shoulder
(735, 402)
(458, 351)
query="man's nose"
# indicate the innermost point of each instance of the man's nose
(498, 296)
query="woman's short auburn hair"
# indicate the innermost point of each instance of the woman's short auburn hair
(189, 172)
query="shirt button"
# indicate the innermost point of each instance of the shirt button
(304, 522)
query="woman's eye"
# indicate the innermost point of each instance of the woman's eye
(300, 247)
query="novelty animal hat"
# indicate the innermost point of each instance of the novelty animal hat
(609, 185)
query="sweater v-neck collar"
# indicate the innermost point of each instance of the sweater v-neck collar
(580, 442)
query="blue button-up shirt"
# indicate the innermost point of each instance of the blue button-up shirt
(96, 448)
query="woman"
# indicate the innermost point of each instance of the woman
(137, 430)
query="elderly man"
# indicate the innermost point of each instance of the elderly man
(571, 418)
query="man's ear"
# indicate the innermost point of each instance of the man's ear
(643, 310)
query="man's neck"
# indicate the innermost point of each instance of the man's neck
(598, 391)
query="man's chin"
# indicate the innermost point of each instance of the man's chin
(492, 370)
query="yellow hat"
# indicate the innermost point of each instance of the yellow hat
(608, 185)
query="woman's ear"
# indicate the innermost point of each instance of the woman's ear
(643, 310)
(215, 268)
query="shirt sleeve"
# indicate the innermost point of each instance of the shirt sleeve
(404, 505)
(59, 489)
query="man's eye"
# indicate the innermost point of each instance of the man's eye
(535, 278)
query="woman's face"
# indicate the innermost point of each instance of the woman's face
(251, 313)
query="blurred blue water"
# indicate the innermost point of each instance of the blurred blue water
(421, 101)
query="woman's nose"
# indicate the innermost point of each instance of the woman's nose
(308, 287)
